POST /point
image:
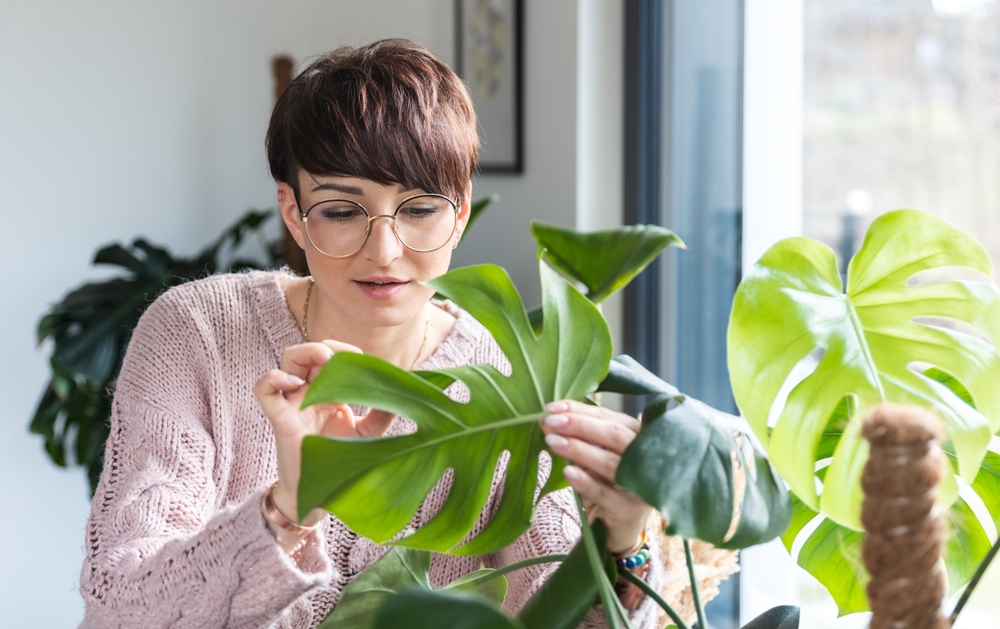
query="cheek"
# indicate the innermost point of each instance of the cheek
(434, 264)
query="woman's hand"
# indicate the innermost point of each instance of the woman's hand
(594, 438)
(280, 393)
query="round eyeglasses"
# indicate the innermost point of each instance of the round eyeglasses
(339, 227)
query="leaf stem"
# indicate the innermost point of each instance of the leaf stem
(499, 572)
(694, 585)
(651, 593)
(980, 571)
(859, 331)
(604, 588)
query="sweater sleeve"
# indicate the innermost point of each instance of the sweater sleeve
(163, 549)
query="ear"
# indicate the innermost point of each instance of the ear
(289, 209)
(464, 213)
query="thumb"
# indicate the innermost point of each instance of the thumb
(375, 423)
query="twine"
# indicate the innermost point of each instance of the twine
(904, 525)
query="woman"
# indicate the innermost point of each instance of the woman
(192, 524)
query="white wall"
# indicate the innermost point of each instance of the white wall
(120, 119)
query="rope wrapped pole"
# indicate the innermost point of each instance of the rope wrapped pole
(904, 524)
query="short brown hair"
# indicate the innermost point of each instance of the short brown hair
(390, 112)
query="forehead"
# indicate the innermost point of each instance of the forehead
(352, 186)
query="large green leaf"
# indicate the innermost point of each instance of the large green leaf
(376, 485)
(604, 261)
(682, 463)
(832, 554)
(876, 340)
(417, 608)
(397, 570)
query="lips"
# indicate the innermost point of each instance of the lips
(381, 287)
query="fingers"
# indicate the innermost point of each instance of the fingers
(624, 514)
(375, 423)
(600, 461)
(599, 426)
(306, 360)
(270, 391)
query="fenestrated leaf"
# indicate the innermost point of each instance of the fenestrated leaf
(604, 261)
(627, 376)
(682, 463)
(966, 544)
(375, 486)
(781, 617)
(792, 303)
(397, 570)
(417, 608)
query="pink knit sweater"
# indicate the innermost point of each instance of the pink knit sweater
(176, 537)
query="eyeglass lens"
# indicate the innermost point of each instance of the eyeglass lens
(339, 227)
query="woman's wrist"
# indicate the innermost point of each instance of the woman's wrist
(289, 534)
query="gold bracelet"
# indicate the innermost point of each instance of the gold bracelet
(272, 513)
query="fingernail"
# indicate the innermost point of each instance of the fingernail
(297, 381)
(557, 407)
(556, 421)
(556, 442)
(571, 473)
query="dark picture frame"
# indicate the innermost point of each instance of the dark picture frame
(489, 58)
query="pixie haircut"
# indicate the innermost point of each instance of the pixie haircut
(389, 112)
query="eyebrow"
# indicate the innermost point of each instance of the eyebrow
(338, 187)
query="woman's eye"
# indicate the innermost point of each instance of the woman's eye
(340, 213)
(418, 211)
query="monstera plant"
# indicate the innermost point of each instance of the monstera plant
(683, 462)
(918, 323)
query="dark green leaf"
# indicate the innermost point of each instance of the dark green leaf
(417, 608)
(397, 570)
(781, 617)
(603, 261)
(568, 594)
(682, 463)
(626, 375)
(375, 486)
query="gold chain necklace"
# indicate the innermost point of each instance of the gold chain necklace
(305, 325)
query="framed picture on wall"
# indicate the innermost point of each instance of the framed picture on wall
(489, 60)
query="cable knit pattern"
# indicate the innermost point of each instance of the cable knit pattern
(176, 537)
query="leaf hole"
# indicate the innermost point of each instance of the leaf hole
(943, 274)
(952, 325)
(978, 507)
(802, 370)
(804, 534)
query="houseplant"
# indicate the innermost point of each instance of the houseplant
(568, 359)
(918, 323)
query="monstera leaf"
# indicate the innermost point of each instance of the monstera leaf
(376, 486)
(682, 462)
(417, 608)
(877, 342)
(603, 261)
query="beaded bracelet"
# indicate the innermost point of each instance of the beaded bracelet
(635, 557)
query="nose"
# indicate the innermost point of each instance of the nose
(383, 246)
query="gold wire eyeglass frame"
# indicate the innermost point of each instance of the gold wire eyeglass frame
(304, 217)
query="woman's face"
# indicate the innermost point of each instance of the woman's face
(379, 285)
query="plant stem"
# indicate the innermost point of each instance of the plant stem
(604, 588)
(980, 571)
(694, 586)
(499, 572)
(651, 593)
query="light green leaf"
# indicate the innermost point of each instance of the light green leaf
(832, 554)
(416, 608)
(376, 486)
(603, 261)
(482, 583)
(966, 544)
(874, 337)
